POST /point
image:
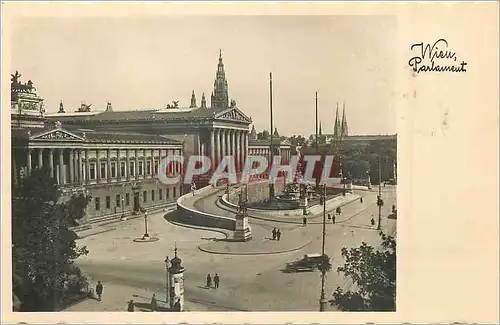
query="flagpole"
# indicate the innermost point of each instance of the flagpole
(271, 185)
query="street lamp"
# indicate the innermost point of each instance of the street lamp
(123, 214)
(322, 299)
(380, 202)
(146, 235)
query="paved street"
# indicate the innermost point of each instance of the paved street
(253, 282)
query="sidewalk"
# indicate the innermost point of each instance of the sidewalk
(115, 298)
(261, 242)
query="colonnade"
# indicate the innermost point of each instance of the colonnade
(90, 166)
(227, 142)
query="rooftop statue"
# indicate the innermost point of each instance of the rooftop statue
(175, 104)
(17, 86)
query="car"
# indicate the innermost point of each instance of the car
(308, 263)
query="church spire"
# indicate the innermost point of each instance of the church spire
(61, 108)
(345, 131)
(193, 100)
(203, 101)
(220, 96)
(336, 126)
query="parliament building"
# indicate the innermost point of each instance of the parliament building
(114, 156)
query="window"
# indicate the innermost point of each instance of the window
(174, 191)
(97, 204)
(132, 168)
(148, 168)
(168, 193)
(127, 199)
(145, 196)
(118, 201)
(113, 169)
(152, 195)
(92, 171)
(103, 170)
(108, 202)
(140, 168)
(160, 193)
(122, 168)
(156, 168)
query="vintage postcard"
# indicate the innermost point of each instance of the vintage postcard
(285, 162)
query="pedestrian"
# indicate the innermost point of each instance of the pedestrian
(177, 305)
(278, 234)
(154, 303)
(333, 219)
(209, 281)
(274, 234)
(329, 216)
(98, 290)
(304, 222)
(216, 281)
(130, 306)
(361, 199)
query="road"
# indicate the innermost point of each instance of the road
(253, 283)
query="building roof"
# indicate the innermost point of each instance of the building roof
(90, 136)
(265, 142)
(138, 115)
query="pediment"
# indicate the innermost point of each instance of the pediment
(57, 135)
(233, 114)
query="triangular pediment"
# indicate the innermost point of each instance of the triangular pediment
(57, 135)
(233, 114)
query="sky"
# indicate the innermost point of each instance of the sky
(145, 63)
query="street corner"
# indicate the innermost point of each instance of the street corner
(260, 244)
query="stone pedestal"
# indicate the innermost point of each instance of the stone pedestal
(242, 231)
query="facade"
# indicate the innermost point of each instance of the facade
(116, 169)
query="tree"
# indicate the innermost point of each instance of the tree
(373, 273)
(43, 244)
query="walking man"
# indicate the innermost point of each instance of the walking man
(333, 219)
(98, 290)
(304, 222)
(274, 234)
(154, 303)
(278, 234)
(209, 281)
(361, 199)
(216, 281)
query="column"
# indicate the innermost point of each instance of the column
(118, 166)
(242, 150)
(231, 143)
(80, 167)
(217, 146)
(87, 166)
(152, 163)
(51, 162)
(223, 146)
(71, 166)
(127, 163)
(28, 162)
(136, 152)
(40, 158)
(245, 152)
(237, 150)
(98, 166)
(144, 164)
(108, 164)
(212, 148)
(61, 166)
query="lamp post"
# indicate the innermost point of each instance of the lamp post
(123, 213)
(380, 202)
(146, 235)
(322, 299)
(167, 289)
